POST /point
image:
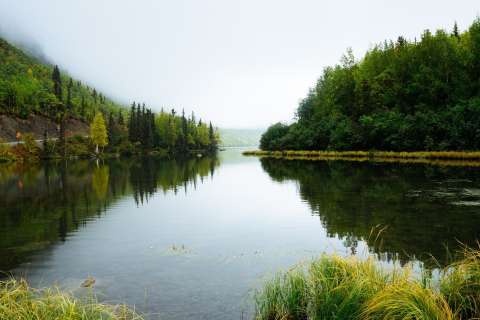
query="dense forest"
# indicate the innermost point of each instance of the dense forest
(402, 96)
(29, 87)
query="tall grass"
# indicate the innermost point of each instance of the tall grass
(460, 285)
(333, 287)
(18, 301)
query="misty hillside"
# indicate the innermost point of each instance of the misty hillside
(240, 137)
(26, 88)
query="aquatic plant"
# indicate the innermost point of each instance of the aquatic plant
(334, 287)
(18, 301)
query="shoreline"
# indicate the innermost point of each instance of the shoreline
(441, 158)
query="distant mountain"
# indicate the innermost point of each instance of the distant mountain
(240, 137)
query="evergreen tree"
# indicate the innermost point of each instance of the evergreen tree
(82, 107)
(57, 83)
(138, 124)
(111, 128)
(121, 122)
(212, 137)
(132, 123)
(69, 95)
(455, 32)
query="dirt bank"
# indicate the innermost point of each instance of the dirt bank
(37, 124)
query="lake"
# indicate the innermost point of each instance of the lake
(192, 239)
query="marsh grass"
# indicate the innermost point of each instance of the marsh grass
(445, 158)
(18, 301)
(460, 285)
(334, 287)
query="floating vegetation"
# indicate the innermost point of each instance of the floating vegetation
(442, 158)
(333, 287)
(18, 301)
(178, 250)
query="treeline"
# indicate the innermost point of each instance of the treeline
(29, 87)
(169, 131)
(403, 95)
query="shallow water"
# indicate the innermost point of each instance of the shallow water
(193, 239)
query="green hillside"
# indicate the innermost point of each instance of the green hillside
(38, 99)
(26, 87)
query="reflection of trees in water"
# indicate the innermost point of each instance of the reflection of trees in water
(149, 176)
(356, 200)
(42, 204)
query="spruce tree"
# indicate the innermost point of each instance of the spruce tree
(455, 32)
(69, 95)
(138, 124)
(82, 107)
(57, 83)
(111, 128)
(120, 120)
(132, 122)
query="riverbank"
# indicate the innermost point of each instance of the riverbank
(446, 158)
(79, 147)
(333, 287)
(18, 301)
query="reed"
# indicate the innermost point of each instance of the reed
(18, 301)
(333, 287)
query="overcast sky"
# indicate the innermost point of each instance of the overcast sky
(242, 63)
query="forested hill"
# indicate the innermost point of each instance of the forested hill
(38, 99)
(420, 94)
(26, 87)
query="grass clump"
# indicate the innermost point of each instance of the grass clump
(333, 287)
(18, 301)
(460, 284)
(407, 300)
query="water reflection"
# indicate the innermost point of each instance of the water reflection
(42, 205)
(419, 211)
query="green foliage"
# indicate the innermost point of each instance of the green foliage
(29, 86)
(407, 95)
(349, 288)
(98, 131)
(182, 134)
(272, 139)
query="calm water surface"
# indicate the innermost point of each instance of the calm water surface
(193, 239)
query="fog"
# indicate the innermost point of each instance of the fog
(237, 63)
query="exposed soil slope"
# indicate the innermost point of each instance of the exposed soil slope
(36, 125)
